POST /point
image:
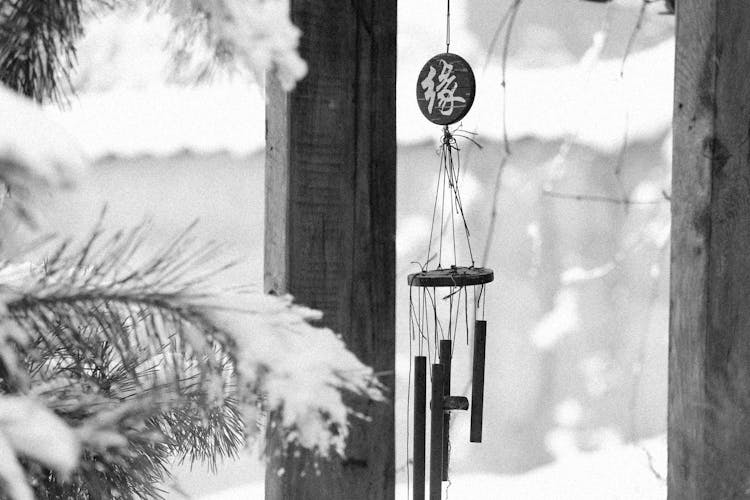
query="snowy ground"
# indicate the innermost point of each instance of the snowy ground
(619, 473)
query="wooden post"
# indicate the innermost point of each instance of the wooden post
(330, 224)
(709, 352)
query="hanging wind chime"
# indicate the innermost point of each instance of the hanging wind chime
(439, 293)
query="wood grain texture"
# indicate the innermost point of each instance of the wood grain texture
(330, 224)
(709, 352)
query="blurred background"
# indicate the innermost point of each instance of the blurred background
(578, 312)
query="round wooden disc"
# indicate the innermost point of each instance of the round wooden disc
(445, 89)
(453, 276)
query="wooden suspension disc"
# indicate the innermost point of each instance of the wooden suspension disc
(453, 276)
(446, 89)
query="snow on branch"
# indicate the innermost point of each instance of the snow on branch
(34, 149)
(252, 35)
(150, 323)
(31, 431)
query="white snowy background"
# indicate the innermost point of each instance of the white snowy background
(176, 153)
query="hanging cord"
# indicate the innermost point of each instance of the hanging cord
(448, 27)
(451, 170)
(432, 225)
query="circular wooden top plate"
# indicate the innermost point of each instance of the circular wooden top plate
(453, 276)
(445, 89)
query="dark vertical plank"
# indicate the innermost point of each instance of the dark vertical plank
(445, 354)
(436, 433)
(709, 352)
(477, 381)
(420, 423)
(330, 223)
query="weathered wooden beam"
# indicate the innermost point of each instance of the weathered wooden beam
(709, 352)
(330, 224)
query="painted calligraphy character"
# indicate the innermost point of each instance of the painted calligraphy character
(444, 92)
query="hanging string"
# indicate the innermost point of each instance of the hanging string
(450, 315)
(432, 224)
(449, 150)
(449, 174)
(448, 27)
(466, 313)
(442, 206)
(434, 310)
(484, 302)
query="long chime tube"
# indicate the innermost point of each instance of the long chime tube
(420, 421)
(436, 433)
(445, 360)
(477, 381)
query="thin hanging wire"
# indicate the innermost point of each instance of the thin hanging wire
(448, 27)
(450, 171)
(466, 314)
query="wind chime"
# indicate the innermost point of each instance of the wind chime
(439, 293)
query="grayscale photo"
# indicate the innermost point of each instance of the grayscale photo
(374, 250)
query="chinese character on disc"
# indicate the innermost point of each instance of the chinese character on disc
(445, 89)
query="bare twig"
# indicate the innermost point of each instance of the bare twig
(506, 45)
(634, 34)
(601, 198)
(506, 22)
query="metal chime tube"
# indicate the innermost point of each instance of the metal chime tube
(436, 433)
(445, 360)
(477, 381)
(420, 421)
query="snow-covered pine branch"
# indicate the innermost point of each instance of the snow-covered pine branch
(255, 36)
(34, 151)
(30, 431)
(38, 41)
(102, 324)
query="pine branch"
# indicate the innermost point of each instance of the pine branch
(102, 325)
(103, 331)
(36, 46)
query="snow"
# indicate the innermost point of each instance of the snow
(560, 321)
(28, 429)
(257, 33)
(33, 148)
(622, 472)
(301, 369)
(141, 113)
(166, 120)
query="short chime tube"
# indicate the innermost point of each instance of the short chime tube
(445, 360)
(477, 381)
(436, 433)
(420, 420)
